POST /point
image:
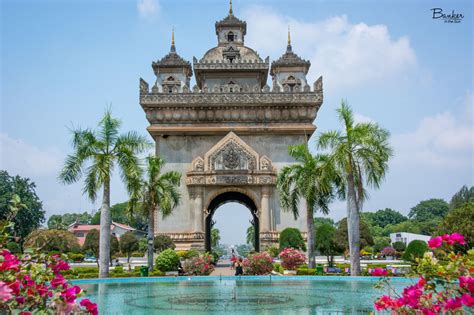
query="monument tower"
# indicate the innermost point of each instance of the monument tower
(229, 134)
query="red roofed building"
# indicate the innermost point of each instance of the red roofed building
(81, 230)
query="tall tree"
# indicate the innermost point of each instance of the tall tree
(384, 217)
(215, 237)
(119, 212)
(430, 209)
(360, 154)
(158, 192)
(30, 214)
(326, 241)
(128, 244)
(463, 196)
(250, 235)
(310, 180)
(96, 153)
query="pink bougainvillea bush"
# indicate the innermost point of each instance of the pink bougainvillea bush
(258, 264)
(389, 251)
(445, 284)
(31, 284)
(199, 265)
(292, 258)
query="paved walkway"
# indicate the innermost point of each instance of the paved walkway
(223, 269)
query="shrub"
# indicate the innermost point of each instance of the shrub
(163, 242)
(46, 241)
(399, 246)
(388, 251)
(137, 254)
(167, 260)
(291, 237)
(118, 269)
(305, 271)
(76, 257)
(13, 247)
(414, 250)
(191, 253)
(258, 264)
(291, 258)
(278, 268)
(273, 251)
(199, 265)
(182, 254)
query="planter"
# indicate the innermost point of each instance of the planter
(171, 273)
(289, 272)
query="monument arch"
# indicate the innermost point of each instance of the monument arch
(229, 134)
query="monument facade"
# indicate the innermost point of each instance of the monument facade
(229, 134)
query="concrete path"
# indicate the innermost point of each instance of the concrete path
(223, 269)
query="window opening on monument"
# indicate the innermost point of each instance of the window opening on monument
(230, 37)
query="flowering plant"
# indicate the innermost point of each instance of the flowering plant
(389, 251)
(292, 258)
(446, 281)
(258, 264)
(199, 265)
(33, 283)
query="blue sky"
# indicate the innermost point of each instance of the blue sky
(63, 62)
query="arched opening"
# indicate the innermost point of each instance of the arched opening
(230, 37)
(226, 197)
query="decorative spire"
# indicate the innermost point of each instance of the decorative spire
(288, 48)
(230, 8)
(173, 48)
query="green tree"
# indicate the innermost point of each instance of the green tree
(360, 154)
(463, 196)
(101, 150)
(291, 237)
(399, 246)
(55, 222)
(409, 226)
(120, 213)
(52, 240)
(318, 221)
(384, 217)
(215, 237)
(162, 242)
(128, 244)
(342, 240)
(380, 242)
(30, 214)
(429, 209)
(91, 244)
(250, 235)
(114, 247)
(158, 192)
(326, 242)
(460, 220)
(308, 179)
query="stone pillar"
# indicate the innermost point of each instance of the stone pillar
(198, 210)
(265, 210)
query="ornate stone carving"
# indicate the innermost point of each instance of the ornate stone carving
(318, 84)
(143, 87)
(231, 156)
(265, 164)
(198, 164)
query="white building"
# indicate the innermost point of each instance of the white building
(407, 237)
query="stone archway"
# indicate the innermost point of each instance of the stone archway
(225, 197)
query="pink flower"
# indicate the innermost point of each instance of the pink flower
(59, 280)
(467, 300)
(5, 292)
(15, 287)
(386, 302)
(20, 299)
(69, 295)
(59, 266)
(379, 272)
(10, 261)
(435, 242)
(458, 238)
(90, 307)
(452, 304)
(467, 282)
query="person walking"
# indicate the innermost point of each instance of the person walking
(239, 268)
(233, 260)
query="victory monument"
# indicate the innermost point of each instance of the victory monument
(229, 134)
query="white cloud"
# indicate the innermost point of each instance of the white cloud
(148, 8)
(20, 157)
(445, 139)
(359, 118)
(346, 54)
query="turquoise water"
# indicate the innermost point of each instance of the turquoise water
(234, 295)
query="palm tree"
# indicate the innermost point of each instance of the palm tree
(359, 155)
(95, 154)
(251, 235)
(158, 192)
(308, 179)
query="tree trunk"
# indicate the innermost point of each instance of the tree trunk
(104, 240)
(353, 226)
(150, 238)
(310, 226)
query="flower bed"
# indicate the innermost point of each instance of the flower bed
(258, 264)
(199, 265)
(292, 258)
